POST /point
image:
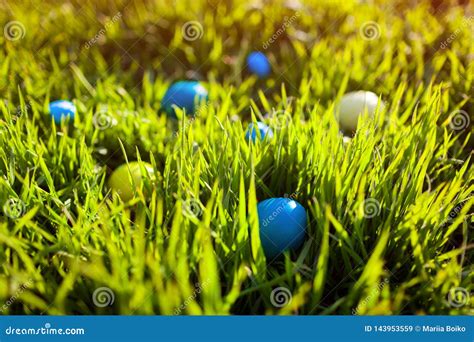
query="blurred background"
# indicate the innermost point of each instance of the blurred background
(319, 39)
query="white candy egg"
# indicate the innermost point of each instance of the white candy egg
(353, 105)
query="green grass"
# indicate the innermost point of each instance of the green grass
(193, 246)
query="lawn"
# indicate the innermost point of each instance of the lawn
(389, 207)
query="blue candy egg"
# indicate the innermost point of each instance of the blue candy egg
(185, 95)
(62, 109)
(258, 64)
(282, 223)
(265, 132)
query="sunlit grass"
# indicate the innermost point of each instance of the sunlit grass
(195, 239)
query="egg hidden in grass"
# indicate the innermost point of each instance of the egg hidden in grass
(282, 223)
(258, 64)
(62, 109)
(262, 131)
(353, 105)
(187, 95)
(121, 183)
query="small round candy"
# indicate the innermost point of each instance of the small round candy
(282, 224)
(353, 105)
(346, 140)
(62, 109)
(258, 64)
(120, 181)
(184, 95)
(265, 132)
